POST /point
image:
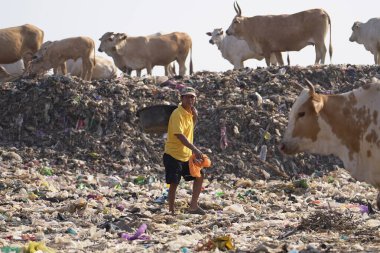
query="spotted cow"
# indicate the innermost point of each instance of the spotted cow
(346, 125)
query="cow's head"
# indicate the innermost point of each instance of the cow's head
(43, 50)
(355, 31)
(303, 127)
(216, 36)
(109, 42)
(236, 27)
(37, 66)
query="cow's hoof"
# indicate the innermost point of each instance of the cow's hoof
(378, 201)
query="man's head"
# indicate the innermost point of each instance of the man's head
(188, 97)
(188, 91)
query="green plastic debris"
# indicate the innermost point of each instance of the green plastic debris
(10, 249)
(330, 180)
(140, 180)
(301, 184)
(46, 171)
(71, 231)
(219, 194)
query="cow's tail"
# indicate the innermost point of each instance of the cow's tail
(191, 60)
(330, 46)
(94, 57)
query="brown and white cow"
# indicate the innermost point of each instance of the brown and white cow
(136, 53)
(346, 125)
(20, 42)
(280, 33)
(54, 54)
(368, 34)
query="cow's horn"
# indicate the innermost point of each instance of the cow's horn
(311, 86)
(239, 10)
(297, 85)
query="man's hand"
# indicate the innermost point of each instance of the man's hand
(198, 153)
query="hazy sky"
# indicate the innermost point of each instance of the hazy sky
(70, 18)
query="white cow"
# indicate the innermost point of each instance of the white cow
(14, 69)
(11, 71)
(345, 125)
(368, 34)
(103, 69)
(236, 51)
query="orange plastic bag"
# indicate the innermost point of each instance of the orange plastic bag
(195, 165)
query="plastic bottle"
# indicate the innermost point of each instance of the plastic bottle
(215, 229)
(263, 152)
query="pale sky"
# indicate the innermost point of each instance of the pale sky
(70, 18)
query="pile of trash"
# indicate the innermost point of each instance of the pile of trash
(79, 174)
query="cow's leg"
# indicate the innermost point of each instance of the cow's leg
(267, 55)
(90, 70)
(87, 67)
(182, 67)
(26, 58)
(172, 69)
(378, 201)
(376, 57)
(320, 53)
(278, 56)
(149, 69)
(63, 69)
(138, 72)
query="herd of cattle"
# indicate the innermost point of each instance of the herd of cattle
(258, 37)
(346, 125)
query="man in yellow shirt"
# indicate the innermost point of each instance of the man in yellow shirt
(179, 147)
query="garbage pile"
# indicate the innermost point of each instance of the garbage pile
(78, 174)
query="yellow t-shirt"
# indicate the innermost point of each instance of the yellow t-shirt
(180, 122)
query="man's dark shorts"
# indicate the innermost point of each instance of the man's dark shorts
(175, 169)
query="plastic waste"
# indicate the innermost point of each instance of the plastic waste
(263, 152)
(301, 184)
(46, 171)
(267, 136)
(219, 193)
(138, 234)
(34, 247)
(162, 198)
(185, 250)
(215, 229)
(140, 180)
(224, 243)
(71, 231)
(10, 249)
(259, 99)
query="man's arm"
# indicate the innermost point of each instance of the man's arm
(186, 143)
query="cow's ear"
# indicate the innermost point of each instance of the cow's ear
(355, 26)
(123, 37)
(208, 33)
(317, 102)
(221, 32)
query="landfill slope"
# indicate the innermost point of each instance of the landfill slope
(73, 154)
